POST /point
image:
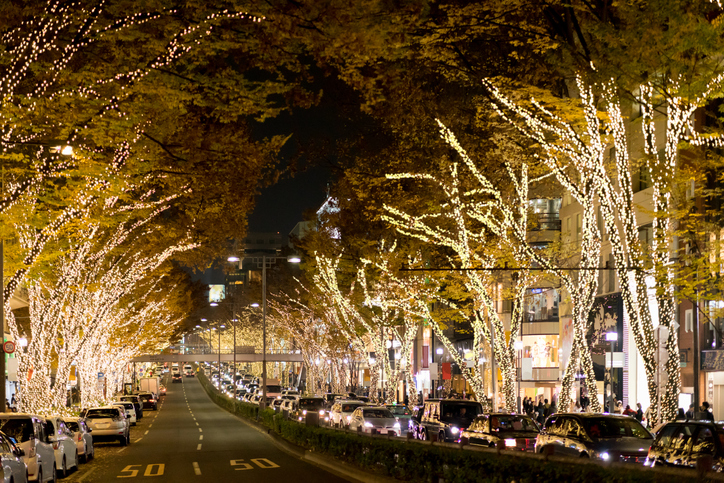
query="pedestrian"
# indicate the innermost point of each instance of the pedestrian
(647, 417)
(630, 412)
(639, 412)
(690, 413)
(680, 416)
(540, 413)
(707, 413)
(546, 408)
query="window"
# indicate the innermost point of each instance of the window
(704, 442)
(689, 320)
(578, 227)
(665, 435)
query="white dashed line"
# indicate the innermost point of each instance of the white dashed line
(201, 430)
(201, 437)
(197, 423)
(198, 447)
(145, 433)
(197, 470)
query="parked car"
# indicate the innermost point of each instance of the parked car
(402, 413)
(130, 411)
(374, 420)
(27, 431)
(341, 412)
(149, 400)
(602, 436)
(518, 431)
(11, 458)
(137, 403)
(82, 437)
(682, 443)
(66, 451)
(447, 418)
(108, 423)
(161, 390)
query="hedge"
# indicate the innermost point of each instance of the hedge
(415, 461)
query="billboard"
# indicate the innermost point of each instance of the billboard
(216, 293)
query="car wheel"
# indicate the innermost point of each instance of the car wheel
(84, 456)
(40, 475)
(76, 459)
(584, 455)
(423, 435)
(123, 441)
(441, 437)
(55, 474)
(64, 469)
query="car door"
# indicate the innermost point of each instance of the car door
(356, 421)
(680, 446)
(704, 444)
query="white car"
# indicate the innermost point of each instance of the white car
(28, 433)
(341, 412)
(82, 437)
(130, 410)
(66, 452)
(375, 420)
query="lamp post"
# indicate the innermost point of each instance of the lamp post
(439, 352)
(611, 337)
(264, 258)
(518, 352)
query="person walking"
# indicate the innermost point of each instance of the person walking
(630, 412)
(540, 410)
(706, 412)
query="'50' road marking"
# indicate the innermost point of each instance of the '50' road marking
(262, 463)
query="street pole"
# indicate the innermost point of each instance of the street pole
(263, 319)
(2, 318)
(234, 371)
(218, 329)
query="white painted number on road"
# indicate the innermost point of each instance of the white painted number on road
(151, 470)
(262, 463)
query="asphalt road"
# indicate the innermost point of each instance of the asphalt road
(190, 439)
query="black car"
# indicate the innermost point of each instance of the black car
(682, 443)
(517, 431)
(177, 378)
(445, 419)
(149, 400)
(606, 437)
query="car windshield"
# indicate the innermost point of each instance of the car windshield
(460, 410)
(376, 413)
(273, 389)
(512, 423)
(311, 403)
(101, 413)
(348, 408)
(73, 426)
(128, 398)
(20, 430)
(615, 428)
(146, 397)
(400, 410)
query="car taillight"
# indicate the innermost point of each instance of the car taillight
(151, 400)
(80, 437)
(56, 445)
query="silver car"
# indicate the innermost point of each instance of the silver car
(66, 452)
(374, 420)
(108, 423)
(14, 469)
(82, 437)
(130, 410)
(27, 431)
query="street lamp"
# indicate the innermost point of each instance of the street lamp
(264, 258)
(611, 337)
(519, 354)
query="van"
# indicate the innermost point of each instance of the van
(28, 433)
(188, 368)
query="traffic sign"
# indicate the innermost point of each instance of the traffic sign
(9, 347)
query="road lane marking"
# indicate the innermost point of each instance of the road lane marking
(145, 433)
(197, 470)
(82, 478)
(201, 430)
(201, 437)
(139, 439)
(150, 425)
(198, 447)
(197, 423)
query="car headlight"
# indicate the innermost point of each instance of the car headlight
(454, 430)
(604, 456)
(349, 418)
(368, 425)
(396, 425)
(321, 412)
(510, 443)
(304, 412)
